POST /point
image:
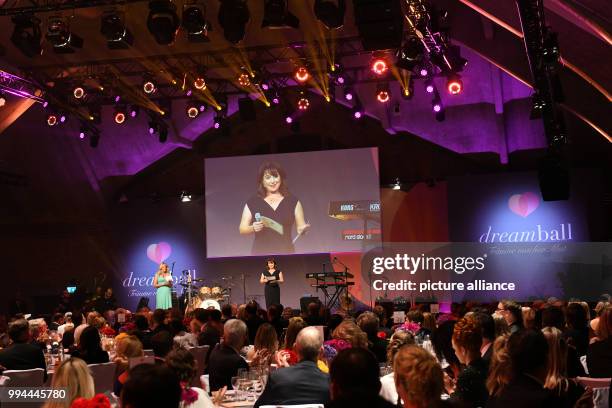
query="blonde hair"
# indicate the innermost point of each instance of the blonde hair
(127, 346)
(161, 265)
(73, 375)
(295, 325)
(500, 369)
(557, 360)
(604, 326)
(419, 375)
(350, 332)
(398, 339)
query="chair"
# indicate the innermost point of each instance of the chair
(4, 381)
(148, 353)
(24, 378)
(134, 361)
(199, 353)
(601, 390)
(104, 376)
(293, 406)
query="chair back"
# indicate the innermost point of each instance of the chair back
(4, 381)
(104, 376)
(134, 361)
(148, 353)
(199, 353)
(601, 390)
(26, 378)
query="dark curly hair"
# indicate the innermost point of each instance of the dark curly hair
(467, 333)
(276, 170)
(182, 362)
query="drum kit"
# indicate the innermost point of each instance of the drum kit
(205, 297)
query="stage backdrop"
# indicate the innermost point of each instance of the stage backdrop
(315, 178)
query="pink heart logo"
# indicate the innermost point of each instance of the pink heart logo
(523, 204)
(159, 252)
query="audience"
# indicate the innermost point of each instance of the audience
(21, 355)
(512, 314)
(302, 383)
(74, 376)
(89, 347)
(349, 332)
(599, 352)
(266, 345)
(225, 359)
(487, 326)
(369, 324)
(183, 364)
(252, 320)
(161, 343)
(399, 339)
(577, 331)
(151, 385)
(295, 325)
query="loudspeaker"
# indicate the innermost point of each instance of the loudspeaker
(380, 23)
(306, 300)
(246, 107)
(554, 179)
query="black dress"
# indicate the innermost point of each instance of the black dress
(272, 289)
(268, 241)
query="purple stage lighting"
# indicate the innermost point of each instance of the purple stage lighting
(348, 96)
(82, 135)
(357, 115)
(424, 72)
(437, 107)
(217, 125)
(340, 80)
(265, 87)
(275, 100)
(429, 88)
(45, 104)
(289, 119)
(62, 118)
(151, 130)
(117, 99)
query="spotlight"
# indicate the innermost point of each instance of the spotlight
(244, 80)
(163, 22)
(454, 85)
(27, 35)
(148, 85)
(436, 106)
(357, 110)
(408, 92)
(62, 118)
(383, 94)
(336, 74)
(233, 16)
(429, 86)
(379, 66)
(301, 74)
(303, 103)
(410, 54)
(289, 120)
(194, 22)
(199, 83)
(78, 92)
(192, 110)
(112, 27)
(134, 111)
(59, 35)
(424, 72)
(397, 185)
(277, 15)
(185, 197)
(120, 115)
(348, 94)
(52, 119)
(330, 12)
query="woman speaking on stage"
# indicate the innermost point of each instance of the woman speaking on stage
(271, 213)
(163, 282)
(272, 277)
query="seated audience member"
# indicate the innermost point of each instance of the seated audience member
(526, 367)
(599, 352)
(67, 324)
(369, 324)
(142, 331)
(58, 320)
(68, 339)
(151, 385)
(501, 327)
(21, 355)
(355, 381)
(553, 316)
(158, 321)
(184, 366)
(384, 321)
(429, 323)
(313, 315)
(556, 375)
(443, 346)
(275, 319)
(470, 389)
(577, 331)
(161, 342)
(350, 333)
(38, 332)
(387, 390)
(182, 337)
(287, 313)
(227, 313)
(599, 308)
(529, 318)
(210, 334)
(89, 348)
(512, 314)
(265, 347)
(74, 376)
(225, 359)
(419, 379)
(487, 327)
(416, 316)
(252, 320)
(295, 325)
(302, 383)
(127, 346)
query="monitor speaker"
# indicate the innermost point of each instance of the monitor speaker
(306, 300)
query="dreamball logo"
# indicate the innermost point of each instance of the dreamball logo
(523, 205)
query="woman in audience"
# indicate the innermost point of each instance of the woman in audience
(183, 363)
(370, 325)
(442, 342)
(72, 375)
(429, 322)
(501, 327)
(499, 368)
(470, 388)
(349, 332)
(599, 308)
(599, 353)
(556, 376)
(127, 346)
(89, 348)
(419, 379)
(150, 386)
(265, 345)
(577, 331)
(398, 339)
(512, 314)
(295, 325)
(529, 317)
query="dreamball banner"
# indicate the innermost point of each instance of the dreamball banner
(486, 272)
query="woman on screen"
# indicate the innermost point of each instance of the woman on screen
(272, 277)
(271, 213)
(163, 282)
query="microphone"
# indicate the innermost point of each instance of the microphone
(257, 217)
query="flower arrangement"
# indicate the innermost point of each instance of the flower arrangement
(338, 344)
(411, 327)
(98, 401)
(108, 331)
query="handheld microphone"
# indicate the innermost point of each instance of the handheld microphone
(257, 217)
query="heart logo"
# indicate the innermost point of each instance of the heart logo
(159, 252)
(523, 204)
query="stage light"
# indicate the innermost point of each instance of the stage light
(429, 86)
(383, 93)
(410, 54)
(336, 74)
(397, 185)
(217, 124)
(301, 74)
(436, 106)
(454, 85)
(59, 35)
(52, 119)
(148, 85)
(185, 197)
(199, 83)
(163, 22)
(357, 110)
(194, 22)
(112, 27)
(277, 15)
(244, 80)
(62, 118)
(134, 111)
(120, 115)
(27, 35)
(78, 92)
(303, 103)
(357, 114)
(289, 120)
(233, 17)
(330, 12)
(537, 106)
(45, 104)
(83, 132)
(192, 109)
(424, 72)
(348, 94)
(379, 66)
